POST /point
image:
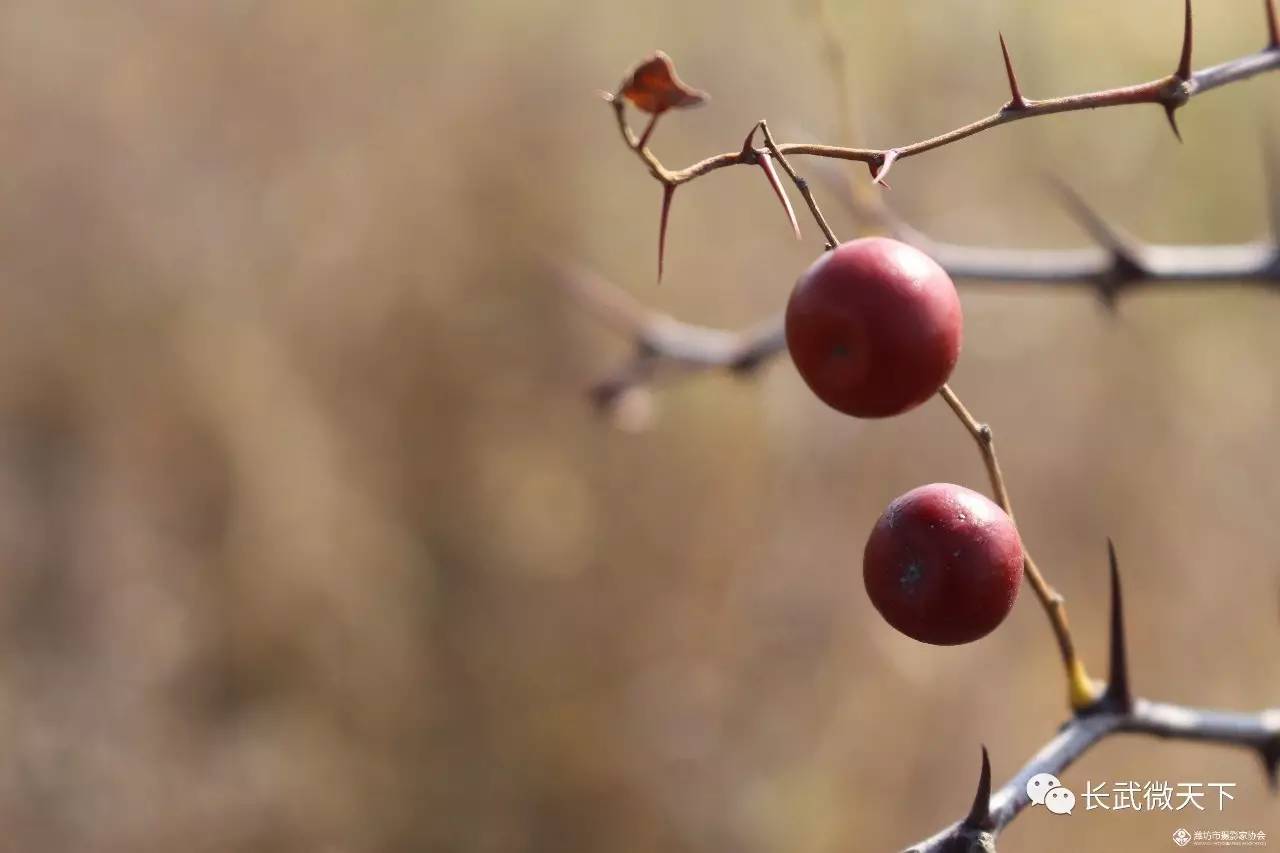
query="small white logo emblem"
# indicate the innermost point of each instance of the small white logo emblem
(1045, 789)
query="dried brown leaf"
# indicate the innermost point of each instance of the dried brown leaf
(654, 87)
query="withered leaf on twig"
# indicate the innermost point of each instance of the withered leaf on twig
(652, 86)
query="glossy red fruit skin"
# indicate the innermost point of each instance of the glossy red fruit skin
(874, 327)
(943, 564)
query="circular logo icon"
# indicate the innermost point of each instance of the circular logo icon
(1182, 838)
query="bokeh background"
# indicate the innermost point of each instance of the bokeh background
(309, 540)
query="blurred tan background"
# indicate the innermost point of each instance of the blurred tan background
(310, 542)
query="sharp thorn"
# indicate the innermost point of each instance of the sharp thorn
(980, 813)
(1273, 26)
(887, 160)
(1184, 61)
(766, 163)
(668, 191)
(1016, 102)
(749, 144)
(1173, 122)
(1118, 695)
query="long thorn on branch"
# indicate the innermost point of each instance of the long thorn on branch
(1118, 695)
(801, 184)
(1258, 732)
(1170, 93)
(1016, 102)
(771, 175)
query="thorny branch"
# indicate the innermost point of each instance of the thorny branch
(1171, 93)
(666, 347)
(1115, 712)
(1119, 263)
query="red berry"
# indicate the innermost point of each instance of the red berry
(943, 564)
(874, 327)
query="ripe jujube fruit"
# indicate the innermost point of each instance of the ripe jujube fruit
(943, 564)
(874, 327)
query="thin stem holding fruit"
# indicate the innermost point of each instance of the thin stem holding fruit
(801, 184)
(1080, 689)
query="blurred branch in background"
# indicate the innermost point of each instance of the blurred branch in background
(664, 345)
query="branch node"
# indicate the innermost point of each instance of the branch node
(1016, 102)
(880, 165)
(1177, 91)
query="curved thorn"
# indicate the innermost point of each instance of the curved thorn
(1017, 102)
(979, 816)
(889, 157)
(766, 163)
(1117, 695)
(1173, 122)
(1273, 26)
(1184, 61)
(668, 190)
(749, 144)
